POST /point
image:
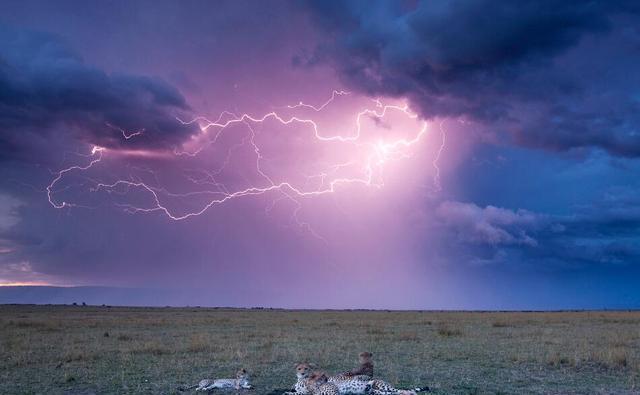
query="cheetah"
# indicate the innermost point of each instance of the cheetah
(354, 385)
(302, 385)
(312, 382)
(355, 381)
(363, 385)
(365, 359)
(381, 387)
(240, 382)
(309, 380)
(319, 384)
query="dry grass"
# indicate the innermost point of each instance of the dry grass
(446, 330)
(199, 343)
(153, 351)
(151, 347)
(500, 324)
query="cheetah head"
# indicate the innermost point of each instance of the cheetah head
(242, 374)
(365, 357)
(303, 370)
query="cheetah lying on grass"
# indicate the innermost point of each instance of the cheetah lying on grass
(302, 385)
(346, 384)
(360, 380)
(309, 383)
(380, 387)
(312, 383)
(356, 385)
(240, 382)
(319, 384)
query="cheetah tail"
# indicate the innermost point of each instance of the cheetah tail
(422, 389)
(182, 388)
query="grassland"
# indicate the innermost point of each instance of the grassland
(86, 350)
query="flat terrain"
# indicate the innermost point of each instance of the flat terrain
(102, 350)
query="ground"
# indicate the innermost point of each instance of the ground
(115, 350)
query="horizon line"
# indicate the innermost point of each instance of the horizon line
(111, 306)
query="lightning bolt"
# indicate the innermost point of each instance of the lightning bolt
(334, 94)
(96, 155)
(125, 134)
(326, 181)
(436, 161)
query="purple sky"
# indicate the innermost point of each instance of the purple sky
(485, 155)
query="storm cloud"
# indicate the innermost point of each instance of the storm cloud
(555, 76)
(48, 94)
(600, 234)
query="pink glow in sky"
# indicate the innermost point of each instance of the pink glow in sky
(405, 154)
(298, 152)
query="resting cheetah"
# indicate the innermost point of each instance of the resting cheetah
(365, 368)
(319, 384)
(355, 381)
(303, 373)
(313, 383)
(240, 382)
(354, 385)
(380, 387)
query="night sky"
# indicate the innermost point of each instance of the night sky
(463, 154)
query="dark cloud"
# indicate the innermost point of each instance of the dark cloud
(602, 233)
(555, 75)
(490, 225)
(48, 94)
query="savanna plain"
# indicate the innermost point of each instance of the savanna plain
(118, 350)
